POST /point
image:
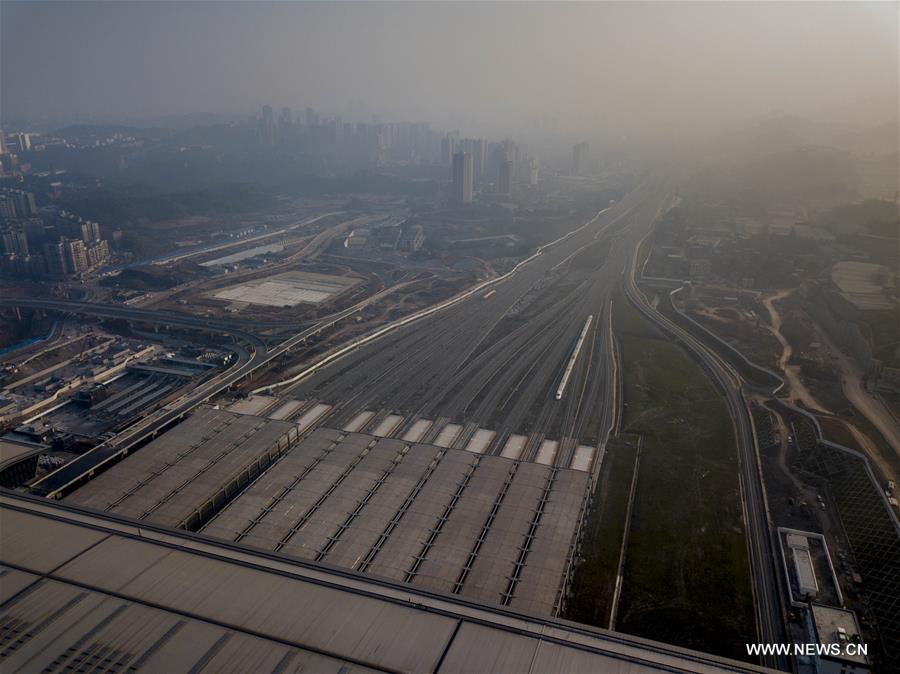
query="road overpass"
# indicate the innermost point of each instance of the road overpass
(59, 482)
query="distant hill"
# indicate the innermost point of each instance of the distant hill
(805, 172)
(881, 140)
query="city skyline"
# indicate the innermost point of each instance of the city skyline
(445, 337)
(634, 72)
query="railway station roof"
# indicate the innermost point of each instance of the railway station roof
(79, 589)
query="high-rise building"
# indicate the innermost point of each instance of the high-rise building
(533, 169)
(504, 182)
(447, 150)
(479, 157)
(56, 258)
(97, 253)
(15, 242)
(24, 141)
(463, 178)
(268, 126)
(7, 207)
(76, 254)
(495, 162)
(87, 231)
(2, 142)
(17, 204)
(580, 158)
(512, 154)
(285, 120)
(412, 239)
(35, 230)
(25, 204)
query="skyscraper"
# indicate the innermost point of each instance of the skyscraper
(7, 207)
(17, 204)
(512, 154)
(76, 256)
(447, 148)
(23, 140)
(504, 183)
(533, 169)
(268, 126)
(89, 232)
(285, 121)
(463, 178)
(56, 258)
(479, 153)
(579, 158)
(15, 242)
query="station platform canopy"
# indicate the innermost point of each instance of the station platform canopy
(84, 591)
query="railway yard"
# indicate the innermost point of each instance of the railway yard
(453, 443)
(450, 338)
(449, 429)
(458, 450)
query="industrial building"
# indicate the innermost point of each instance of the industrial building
(803, 565)
(87, 592)
(808, 570)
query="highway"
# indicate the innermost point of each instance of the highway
(59, 482)
(763, 566)
(136, 314)
(210, 248)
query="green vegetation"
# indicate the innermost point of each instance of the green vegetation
(594, 580)
(765, 427)
(686, 577)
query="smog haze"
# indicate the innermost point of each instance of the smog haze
(653, 68)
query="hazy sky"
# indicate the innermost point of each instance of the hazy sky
(479, 66)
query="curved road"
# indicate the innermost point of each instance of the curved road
(763, 563)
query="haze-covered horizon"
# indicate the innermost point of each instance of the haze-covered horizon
(657, 69)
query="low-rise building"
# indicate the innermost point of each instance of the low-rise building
(841, 648)
(413, 239)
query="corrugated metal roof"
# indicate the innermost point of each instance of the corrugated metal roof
(90, 591)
